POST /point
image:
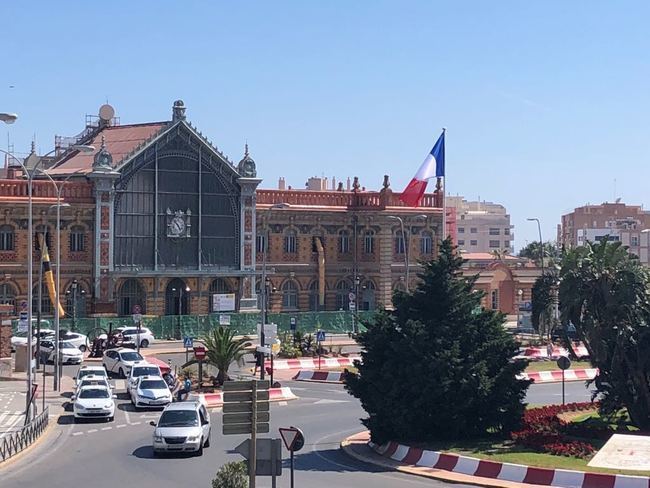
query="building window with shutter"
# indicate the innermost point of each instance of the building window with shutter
(426, 243)
(369, 242)
(399, 243)
(495, 244)
(261, 243)
(6, 238)
(290, 242)
(77, 239)
(344, 242)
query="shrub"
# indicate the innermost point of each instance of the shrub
(231, 475)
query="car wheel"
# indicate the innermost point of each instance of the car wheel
(83, 348)
(144, 343)
(121, 374)
(200, 450)
(207, 442)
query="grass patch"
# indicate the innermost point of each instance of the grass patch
(552, 366)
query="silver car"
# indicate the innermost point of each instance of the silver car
(182, 427)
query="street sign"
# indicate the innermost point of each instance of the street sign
(563, 362)
(199, 353)
(245, 385)
(22, 322)
(238, 429)
(320, 336)
(244, 396)
(351, 296)
(245, 407)
(188, 342)
(352, 306)
(137, 309)
(224, 319)
(293, 438)
(244, 417)
(270, 334)
(137, 318)
(268, 452)
(292, 323)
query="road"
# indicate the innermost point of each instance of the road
(105, 455)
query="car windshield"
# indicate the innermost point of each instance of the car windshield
(131, 356)
(179, 418)
(86, 372)
(153, 385)
(94, 393)
(66, 345)
(146, 371)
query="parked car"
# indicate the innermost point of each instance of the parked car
(94, 401)
(90, 370)
(145, 337)
(90, 380)
(120, 361)
(183, 426)
(79, 340)
(150, 391)
(142, 369)
(69, 353)
(20, 338)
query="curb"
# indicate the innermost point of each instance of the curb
(556, 375)
(212, 400)
(497, 472)
(327, 363)
(319, 376)
(544, 353)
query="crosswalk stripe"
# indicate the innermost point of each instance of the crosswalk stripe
(77, 433)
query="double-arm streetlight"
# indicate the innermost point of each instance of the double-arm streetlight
(405, 244)
(263, 284)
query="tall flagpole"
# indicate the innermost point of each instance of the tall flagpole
(444, 191)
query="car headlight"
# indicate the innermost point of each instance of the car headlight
(108, 405)
(78, 406)
(157, 438)
(193, 438)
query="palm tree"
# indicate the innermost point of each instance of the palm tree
(604, 293)
(223, 349)
(544, 299)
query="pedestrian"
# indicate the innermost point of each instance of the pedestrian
(185, 389)
(259, 362)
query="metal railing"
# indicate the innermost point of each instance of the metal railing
(12, 443)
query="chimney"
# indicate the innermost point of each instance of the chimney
(348, 184)
(282, 185)
(333, 182)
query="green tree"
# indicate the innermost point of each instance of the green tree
(231, 475)
(549, 250)
(223, 349)
(434, 368)
(544, 299)
(604, 293)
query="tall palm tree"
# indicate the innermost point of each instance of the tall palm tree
(223, 349)
(604, 293)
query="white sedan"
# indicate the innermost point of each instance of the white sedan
(121, 361)
(150, 391)
(145, 337)
(142, 369)
(79, 340)
(68, 353)
(94, 401)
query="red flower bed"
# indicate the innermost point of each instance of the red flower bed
(544, 431)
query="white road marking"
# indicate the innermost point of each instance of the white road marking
(77, 433)
(121, 426)
(136, 423)
(107, 428)
(92, 430)
(327, 401)
(283, 404)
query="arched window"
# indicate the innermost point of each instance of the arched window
(75, 300)
(369, 242)
(131, 294)
(344, 242)
(77, 239)
(7, 238)
(343, 289)
(368, 296)
(46, 305)
(8, 297)
(218, 286)
(426, 243)
(313, 297)
(177, 298)
(399, 242)
(290, 295)
(290, 242)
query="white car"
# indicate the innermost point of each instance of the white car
(94, 401)
(150, 391)
(142, 369)
(120, 361)
(145, 337)
(183, 426)
(79, 340)
(90, 380)
(68, 353)
(90, 370)
(20, 338)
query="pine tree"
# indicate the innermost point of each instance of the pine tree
(438, 366)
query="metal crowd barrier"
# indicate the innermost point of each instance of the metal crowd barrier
(11, 444)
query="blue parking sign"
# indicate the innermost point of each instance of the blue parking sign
(188, 342)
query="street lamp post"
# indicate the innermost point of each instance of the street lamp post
(541, 243)
(357, 281)
(405, 243)
(263, 285)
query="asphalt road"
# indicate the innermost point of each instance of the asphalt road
(105, 455)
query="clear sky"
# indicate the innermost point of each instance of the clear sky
(546, 103)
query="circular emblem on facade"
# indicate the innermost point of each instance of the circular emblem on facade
(177, 226)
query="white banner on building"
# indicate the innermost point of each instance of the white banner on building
(223, 302)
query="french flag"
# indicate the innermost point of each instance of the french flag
(433, 165)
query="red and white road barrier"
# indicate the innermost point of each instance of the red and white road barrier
(555, 376)
(546, 353)
(505, 471)
(319, 376)
(308, 363)
(212, 400)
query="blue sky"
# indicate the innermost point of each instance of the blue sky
(546, 103)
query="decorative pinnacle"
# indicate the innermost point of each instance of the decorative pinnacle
(246, 149)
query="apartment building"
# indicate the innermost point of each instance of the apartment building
(482, 226)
